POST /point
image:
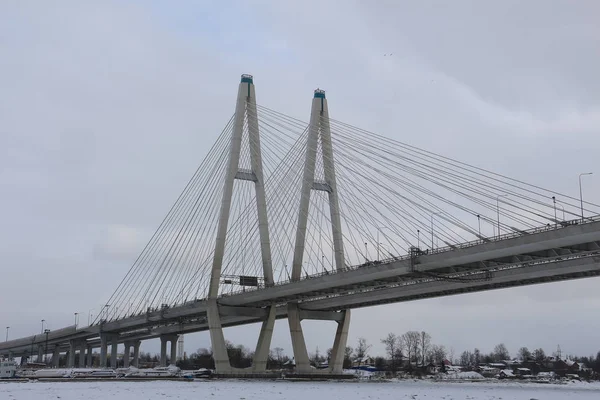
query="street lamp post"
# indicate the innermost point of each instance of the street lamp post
(46, 331)
(562, 208)
(498, 210)
(555, 220)
(366, 259)
(378, 258)
(379, 244)
(418, 238)
(76, 319)
(432, 215)
(581, 193)
(7, 328)
(479, 225)
(90, 315)
(43, 325)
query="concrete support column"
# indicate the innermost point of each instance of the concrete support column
(71, 357)
(298, 343)
(103, 350)
(163, 351)
(10, 355)
(56, 357)
(336, 364)
(126, 354)
(40, 354)
(174, 350)
(261, 355)
(113, 352)
(217, 338)
(136, 353)
(89, 359)
(82, 347)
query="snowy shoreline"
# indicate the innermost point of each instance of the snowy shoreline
(235, 389)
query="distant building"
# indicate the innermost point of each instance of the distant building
(363, 361)
(489, 371)
(506, 374)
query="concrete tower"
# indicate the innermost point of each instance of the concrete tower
(245, 111)
(319, 131)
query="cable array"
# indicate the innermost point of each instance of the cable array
(393, 197)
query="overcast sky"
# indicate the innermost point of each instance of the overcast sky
(107, 108)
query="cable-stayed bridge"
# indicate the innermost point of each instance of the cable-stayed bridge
(296, 220)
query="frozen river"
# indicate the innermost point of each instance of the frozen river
(268, 390)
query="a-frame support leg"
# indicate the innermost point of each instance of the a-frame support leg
(336, 364)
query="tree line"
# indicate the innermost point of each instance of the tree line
(409, 350)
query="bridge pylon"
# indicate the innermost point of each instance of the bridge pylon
(245, 113)
(319, 134)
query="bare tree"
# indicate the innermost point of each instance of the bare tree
(477, 356)
(393, 348)
(501, 352)
(348, 352)
(363, 348)
(437, 354)
(466, 358)
(348, 356)
(523, 353)
(411, 341)
(539, 354)
(425, 343)
(278, 352)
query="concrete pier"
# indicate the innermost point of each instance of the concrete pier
(89, 359)
(56, 357)
(113, 352)
(71, 354)
(82, 348)
(126, 353)
(103, 350)
(136, 353)
(174, 349)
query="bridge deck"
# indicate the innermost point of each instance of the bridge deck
(546, 255)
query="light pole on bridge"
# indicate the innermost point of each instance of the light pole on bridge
(43, 325)
(479, 224)
(76, 319)
(555, 220)
(46, 331)
(562, 208)
(380, 230)
(498, 210)
(581, 192)
(432, 215)
(7, 328)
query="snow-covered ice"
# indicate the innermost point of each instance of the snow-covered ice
(271, 390)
